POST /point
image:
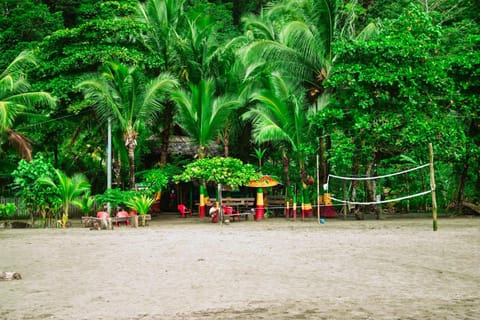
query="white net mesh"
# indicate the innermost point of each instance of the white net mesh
(337, 185)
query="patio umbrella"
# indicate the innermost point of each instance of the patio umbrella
(264, 182)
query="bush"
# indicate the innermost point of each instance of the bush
(7, 210)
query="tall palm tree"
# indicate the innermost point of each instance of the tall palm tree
(201, 114)
(122, 94)
(164, 20)
(68, 190)
(17, 99)
(280, 117)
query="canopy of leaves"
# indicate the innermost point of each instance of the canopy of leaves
(226, 171)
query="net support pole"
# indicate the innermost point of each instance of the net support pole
(432, 186)
(318, 189)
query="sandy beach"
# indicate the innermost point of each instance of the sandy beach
(272, 269)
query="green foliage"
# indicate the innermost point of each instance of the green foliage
(140, 203)
(395, 106)
(85, 204)
(156, 180)
(7, 210)
(202, 114)
(226, 171)
(23, 24)
(116, 197)
(34, 194)
(66, 189)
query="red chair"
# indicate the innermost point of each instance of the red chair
(184, 210)
(122, 216)
(102, 215)
(229, 211)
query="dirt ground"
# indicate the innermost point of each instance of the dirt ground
(272, 269)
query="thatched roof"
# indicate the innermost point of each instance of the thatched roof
(186, 146)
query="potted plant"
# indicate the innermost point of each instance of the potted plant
(141, 204)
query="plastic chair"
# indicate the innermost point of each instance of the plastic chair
(184, 210)
(230, 211)
(123, 214)
(102, 215)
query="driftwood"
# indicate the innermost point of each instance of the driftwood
(10, 276)
(471, 206)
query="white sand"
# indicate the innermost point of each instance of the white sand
(271, 269)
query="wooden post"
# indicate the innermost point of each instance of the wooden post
(432, 186)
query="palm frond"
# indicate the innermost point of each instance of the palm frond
(20, 143)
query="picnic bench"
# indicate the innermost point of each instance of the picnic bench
(276, 203)
(240, 207)
(94, 221)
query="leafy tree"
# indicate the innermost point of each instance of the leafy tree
(36, 197)
(226, 171)
(122, 94)
(23, 24)
(391, 94)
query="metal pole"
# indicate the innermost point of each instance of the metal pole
(109, 160)
(318, 189)
(220, 210)
(432, 186)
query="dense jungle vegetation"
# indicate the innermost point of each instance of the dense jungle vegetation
(365, 85)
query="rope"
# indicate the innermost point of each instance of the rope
(383, 201)
(377, 177)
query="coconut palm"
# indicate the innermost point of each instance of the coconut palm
(163, 20)
(280, 117)
(67, 189)
(201, 114)
(17, 99)
(122, 94)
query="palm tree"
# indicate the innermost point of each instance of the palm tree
(201, 114)
(68, 190)
(122, 94)
(163, 20)
(279, 117)
(16, 99)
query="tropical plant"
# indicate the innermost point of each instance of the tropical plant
(86, 204)
(16, 98)
(115, 197)
(35, 196)
(122, 94)
(7, 210)
(141, 204)
(280, 117)
(201, 114)
(163, 20)
(226, 171)
(67, 189)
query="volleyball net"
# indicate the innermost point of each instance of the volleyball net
(348, 190)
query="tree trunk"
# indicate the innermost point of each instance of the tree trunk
(165, 134)
(131, 144)
(461, 187)
(285, 166)
(371, 186)
(323, 166)
(355, 171)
